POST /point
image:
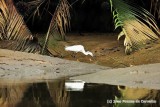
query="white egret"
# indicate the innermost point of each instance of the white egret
(78, 48)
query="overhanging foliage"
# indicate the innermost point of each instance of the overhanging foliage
(138, 25)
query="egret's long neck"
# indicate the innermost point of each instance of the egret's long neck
(87, 53)
(83, 51)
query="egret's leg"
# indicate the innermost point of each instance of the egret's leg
(73, 55)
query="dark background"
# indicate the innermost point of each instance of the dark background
(86, 15)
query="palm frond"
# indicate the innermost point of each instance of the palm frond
(12, 26)
(61, 19)
(30, 9)
(3, 19)
(138, 25)
(60, 22)
(155, 8)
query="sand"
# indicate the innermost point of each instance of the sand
(109, 65)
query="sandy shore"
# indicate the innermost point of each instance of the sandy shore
(20, 66)
(28, 67)
(143, 76)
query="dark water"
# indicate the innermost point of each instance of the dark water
(54, 94)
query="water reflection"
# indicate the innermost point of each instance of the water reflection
(56, 94)
(74, 85)
(60, 96)
(12, 94)
(138, 97)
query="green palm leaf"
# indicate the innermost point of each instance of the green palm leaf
(138, 25)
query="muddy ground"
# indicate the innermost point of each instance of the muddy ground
(107, 50)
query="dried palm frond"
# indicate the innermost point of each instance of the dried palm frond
(61, 19)
(12, 26)
(3, 19)
(138, 25)
(60, 22)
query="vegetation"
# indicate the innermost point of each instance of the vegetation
(13, 27)
(155, 8)
(138, 25)
(60, 22)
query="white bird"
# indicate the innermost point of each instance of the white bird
(78, 48)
